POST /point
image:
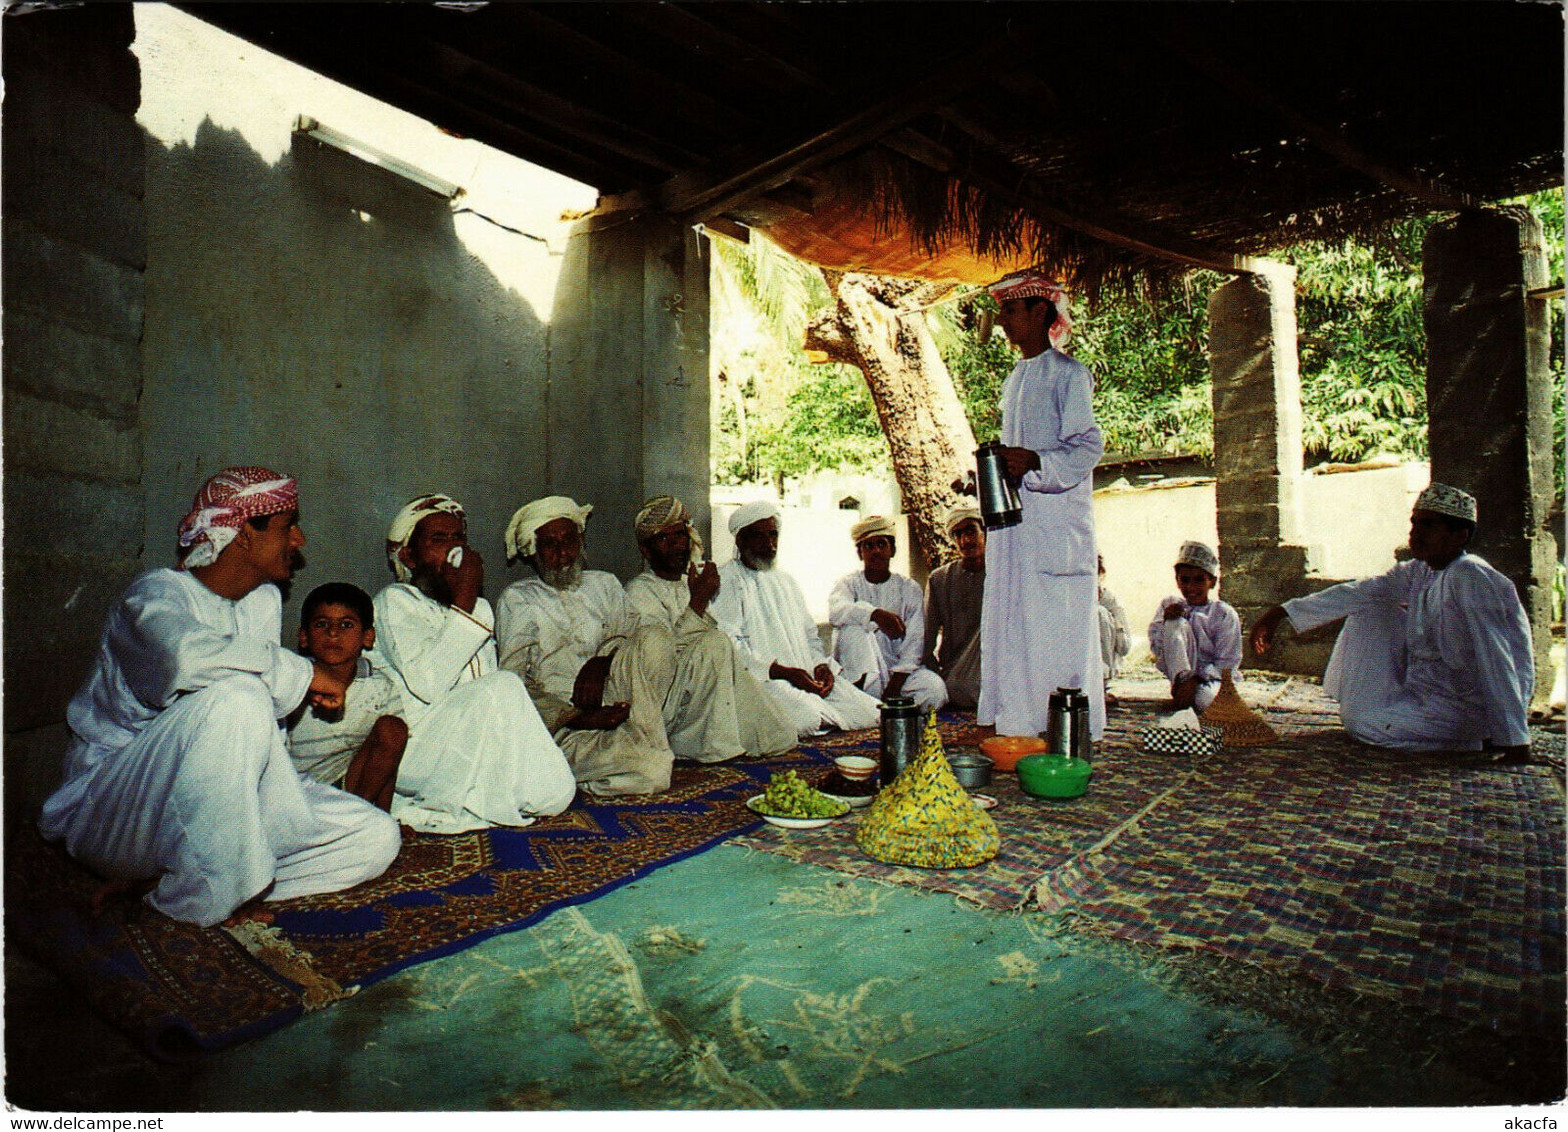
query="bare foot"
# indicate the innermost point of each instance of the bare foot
(252, 911)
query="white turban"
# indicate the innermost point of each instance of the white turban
(1447, 500)
(661, 512)
(1201, 555)
(871, 526)
(960, 515)
(753, 512)
(223, 504)
(402, 529)
(528, 518)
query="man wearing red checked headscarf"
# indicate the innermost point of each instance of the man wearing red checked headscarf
(177, 778)
(1039, 625)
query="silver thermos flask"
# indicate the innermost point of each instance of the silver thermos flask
(1082, 739)
(999, 503)
(901, 735)
(1058, 725)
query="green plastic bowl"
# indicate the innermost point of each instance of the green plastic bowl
(1054, 776)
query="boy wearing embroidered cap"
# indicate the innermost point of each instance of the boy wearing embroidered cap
(1434, 654)
(1195, 638)
(879, 619)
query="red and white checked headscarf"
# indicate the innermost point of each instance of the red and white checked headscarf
(1035, 284)
(401, 532)
(227, 500)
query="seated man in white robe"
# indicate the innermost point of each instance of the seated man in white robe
(1436, 653)
(955, 596)
(879, 618)
(763, 611)
(736, 715)
(177, 777)
(478, 754)
(601, 681)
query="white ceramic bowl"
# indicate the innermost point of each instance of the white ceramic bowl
(856, 768)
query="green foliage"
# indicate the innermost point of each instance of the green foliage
(1362, 351)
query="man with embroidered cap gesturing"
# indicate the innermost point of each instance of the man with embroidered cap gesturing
(177, 774)
(478, 753)
(880, 619)
(1040, 627)
(1434, 654)
(763, 611)
(674, 590)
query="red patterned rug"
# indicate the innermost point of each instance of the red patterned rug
(181, 990)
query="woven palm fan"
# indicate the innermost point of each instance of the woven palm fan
(1239, 725)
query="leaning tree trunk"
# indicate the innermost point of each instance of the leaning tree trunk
(925, 425)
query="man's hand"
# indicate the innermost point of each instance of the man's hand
(703, 584)
(326, 691)
(894, 685)
(1262, 635)
(1017, 461)
(606, 718)
(800, 678)
(588, 689)
(889, 622)
(467, 581)
(1175, 611)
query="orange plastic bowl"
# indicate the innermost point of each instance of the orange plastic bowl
(1005, 750)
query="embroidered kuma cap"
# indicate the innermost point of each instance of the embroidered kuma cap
(1447, 500)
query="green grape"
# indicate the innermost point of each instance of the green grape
(788, 795)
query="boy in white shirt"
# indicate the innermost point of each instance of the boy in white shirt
(358, 747)
(1193, 637)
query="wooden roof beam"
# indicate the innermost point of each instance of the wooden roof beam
(1328, 140)
(693, 195)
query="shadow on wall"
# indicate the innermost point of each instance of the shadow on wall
(323, 317)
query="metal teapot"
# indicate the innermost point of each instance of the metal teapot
(999, 503)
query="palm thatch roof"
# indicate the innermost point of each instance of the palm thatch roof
(1117, 142)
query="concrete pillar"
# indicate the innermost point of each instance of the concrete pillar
(75, 254)
(628, 390)
(1489, 392)
(1257, 453)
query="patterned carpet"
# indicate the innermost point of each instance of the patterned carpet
(180, 990)
(1435, 881)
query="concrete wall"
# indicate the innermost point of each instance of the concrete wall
(315, 314)
(75, 248)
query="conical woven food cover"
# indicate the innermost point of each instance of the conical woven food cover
(1239, 725)
(924, 818)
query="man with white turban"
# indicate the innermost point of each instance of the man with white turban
(177, 776)
(955, 593)
(1434, 654)
(1039, 627)
(879, 622)
(763, 611)
(734, 716)
(602, 682)
(1195, 638)
(478, 754)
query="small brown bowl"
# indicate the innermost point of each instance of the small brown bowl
(856, 768)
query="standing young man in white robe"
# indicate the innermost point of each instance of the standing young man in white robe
(737, 715)
(177, 774)
(880, 621)
(1436, 653)
(1040, 628)
(478, 754)
(763, 611)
